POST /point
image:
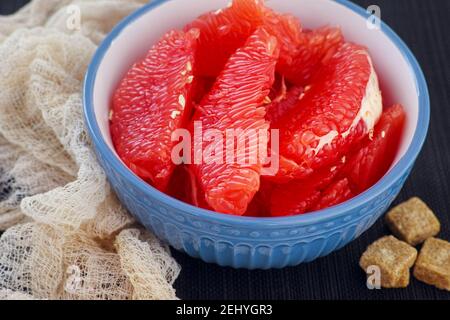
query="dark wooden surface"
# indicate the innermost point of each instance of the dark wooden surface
(424, 27)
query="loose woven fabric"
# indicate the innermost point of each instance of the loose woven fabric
(66, 235)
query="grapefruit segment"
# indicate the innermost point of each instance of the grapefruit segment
(151, 101)
(184, 187)
(279, 88)
(292, 200)
(335, 194)
(180, 186)
(235, 102)
(315, 47)
(201, 87)
(260, 205)
(224, 31)
(299, 196)
(283, 103)
(332, 114)
(368, 165)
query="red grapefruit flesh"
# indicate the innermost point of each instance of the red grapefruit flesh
(296, 199)
(256, 208)
(236, 102)
(315, 48)
(153, 100)
(224, 31)
(335, 194)
(180, 186)
(279, 88)
(299, 196)
(283, 103)
(260, 205)
(338, 108)
(201, 87)
(184, 187)
(368, 165)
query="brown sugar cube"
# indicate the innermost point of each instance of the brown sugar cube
(433, 263)
(393, 257)
(413, 222)
(403, 281)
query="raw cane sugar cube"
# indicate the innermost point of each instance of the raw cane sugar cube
(403, 281)
(413, 221)
(393, 257)
(433, 263)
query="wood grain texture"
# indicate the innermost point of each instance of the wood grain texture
(423, 26)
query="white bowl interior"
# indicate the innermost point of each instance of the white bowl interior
(396, 76)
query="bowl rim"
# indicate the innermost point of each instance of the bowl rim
(395, 174)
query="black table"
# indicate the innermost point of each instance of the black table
(423, 26)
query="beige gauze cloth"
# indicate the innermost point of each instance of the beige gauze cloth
(66, 235)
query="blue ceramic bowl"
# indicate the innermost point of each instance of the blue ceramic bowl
(245, 242)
